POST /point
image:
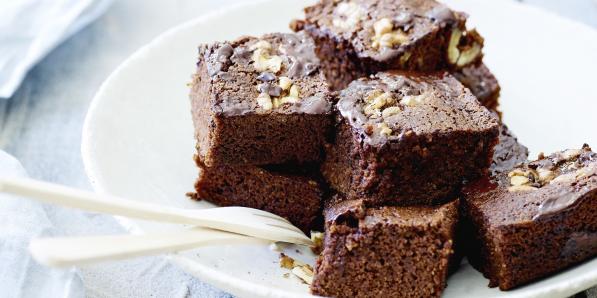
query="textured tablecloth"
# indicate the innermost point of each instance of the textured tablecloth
(41, 125)
(21, 220)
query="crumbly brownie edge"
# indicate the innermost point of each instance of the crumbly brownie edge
(278, 192)
(201, 112)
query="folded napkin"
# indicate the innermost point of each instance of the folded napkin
(21, 220)
(29, 29)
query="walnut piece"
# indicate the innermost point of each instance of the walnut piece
(262, 60)
(519, 180)
(294, 91)
(376, 101)
(469, 55)
(285, 83)
(545, 175)
(348, 15)
(264, 101)
(453, 51)
(317, 238)
(414, 100)
(300, 269)
(384, 129)
(385, 36)
(462, 55)
(305, 273)
(286, 261)
(391, 111)
(522, 180)
(517, 188)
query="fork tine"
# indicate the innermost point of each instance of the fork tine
(259, 212)
(286, 227)
(273, 222)
(278, 218)
(233, 218)
(249, 212)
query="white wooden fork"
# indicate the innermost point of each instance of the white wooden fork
(246, 221)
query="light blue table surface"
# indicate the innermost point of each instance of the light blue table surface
(41, 125)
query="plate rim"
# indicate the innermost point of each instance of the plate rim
(223, 281)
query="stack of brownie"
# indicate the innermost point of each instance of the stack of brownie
(379, 118)
(262, 111)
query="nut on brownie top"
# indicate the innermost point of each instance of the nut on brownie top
(539, 188)
(383, 29)
(390, 105)
(276, 73)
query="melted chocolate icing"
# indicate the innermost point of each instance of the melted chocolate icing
(266, 77)
(222, 60)
(270, 89)
(351, 103)
(296, 49)
(441, 13)
(301, 52)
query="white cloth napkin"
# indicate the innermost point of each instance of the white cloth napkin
(30, 29)
(21, 220)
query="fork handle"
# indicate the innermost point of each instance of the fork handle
(62, 252)
(102, 203)
(89, 201)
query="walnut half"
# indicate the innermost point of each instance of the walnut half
(464, 48)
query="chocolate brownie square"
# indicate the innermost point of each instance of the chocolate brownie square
(385, 251)
(482, 83)
(259, 101)
(360, 37)
(534, 220)
(293, 192)
(406, 138)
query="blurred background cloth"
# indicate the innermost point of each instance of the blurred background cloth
(21, 220)
(29, 29)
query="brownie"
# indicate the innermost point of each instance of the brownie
(293, 192)
(360, 37)
(482, 83)
(406, 138)
(259, 101)
(385, 251)
(534, 220)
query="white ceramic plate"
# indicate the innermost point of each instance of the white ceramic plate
(138, 138)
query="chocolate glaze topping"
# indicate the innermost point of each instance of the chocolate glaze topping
(570, 168)
(300, 49)
(508, 153)
(270, 89)
(440, 14)
(415, 18)
(231, 67)
(556, 183)
(266, 77)
(221, 61)
(436, 96)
